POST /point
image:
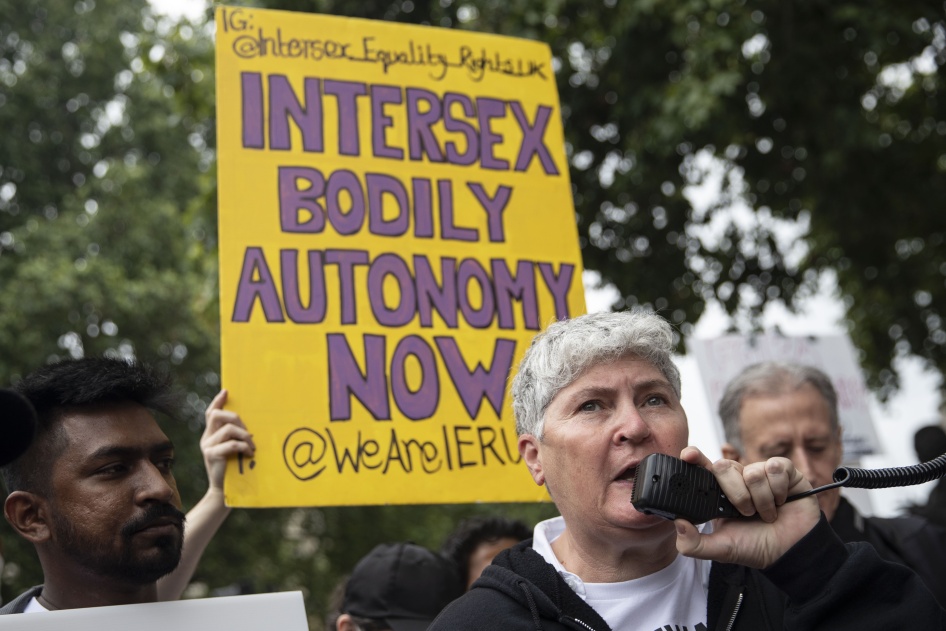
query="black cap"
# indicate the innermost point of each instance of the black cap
(404, 584)
(17, 425)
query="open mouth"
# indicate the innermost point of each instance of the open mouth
(628, 474)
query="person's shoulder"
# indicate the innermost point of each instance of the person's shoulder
(18, 604)
(904, 527)
(483, 607)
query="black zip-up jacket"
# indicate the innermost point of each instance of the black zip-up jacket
(820, 584)
(908, 540)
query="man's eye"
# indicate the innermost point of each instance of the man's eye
(655, 399)
(590, 406)
(166, 463)
(113, 469)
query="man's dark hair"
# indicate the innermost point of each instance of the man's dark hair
(473, 532)
(929, 442)
(73, 385)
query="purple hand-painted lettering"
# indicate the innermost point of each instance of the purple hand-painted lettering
(382, 95)
(251, 91)
(346, 261)
(489, 109)
(289, 264)
(249, 289)
(558, 285)
(421, 403)
(431, 295)
(379, 186)
(522, 287)
(346, 378)
(470, 271)
(494, 207)
(473, 386)
(283, 106)
(533, 143)
(292, 199)
(391, 266)
(347, 93)
(420, 134)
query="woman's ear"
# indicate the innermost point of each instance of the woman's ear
(529, 449)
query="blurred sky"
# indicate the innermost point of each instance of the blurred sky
(914, 406)
(180, 8)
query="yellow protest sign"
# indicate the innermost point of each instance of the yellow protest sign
(395, 225)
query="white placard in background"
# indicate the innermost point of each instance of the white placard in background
(257, 612)
(723, 358)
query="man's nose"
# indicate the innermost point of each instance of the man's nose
(803, 463)
(632, 428)
(154, 485)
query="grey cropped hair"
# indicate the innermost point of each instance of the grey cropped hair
(559, 355)
(771, 379)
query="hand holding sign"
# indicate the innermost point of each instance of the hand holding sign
(224, 436)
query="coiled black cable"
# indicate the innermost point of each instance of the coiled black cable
(856, 478)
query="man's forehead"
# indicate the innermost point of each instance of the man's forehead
(797, 403)
(88, 429)
(767, 423)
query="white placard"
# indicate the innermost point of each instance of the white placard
(258, 612)
(723, 358)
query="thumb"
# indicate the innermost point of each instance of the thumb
(689, 539)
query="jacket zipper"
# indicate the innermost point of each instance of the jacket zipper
(735, 612)
(587, 626)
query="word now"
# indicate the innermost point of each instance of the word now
(473, 139)
(467, 288)
(308, 452)
(370, 385)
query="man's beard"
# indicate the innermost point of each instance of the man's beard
(126, 564)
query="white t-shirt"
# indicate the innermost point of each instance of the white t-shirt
(672, 598)
(34, 607)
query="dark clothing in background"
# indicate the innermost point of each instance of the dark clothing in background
(910, 540)
(935, 508)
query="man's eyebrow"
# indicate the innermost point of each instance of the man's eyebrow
(117, 451)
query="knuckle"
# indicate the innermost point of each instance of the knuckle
(754, 476)
(721, 467)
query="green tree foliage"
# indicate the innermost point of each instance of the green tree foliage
(821, 120)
